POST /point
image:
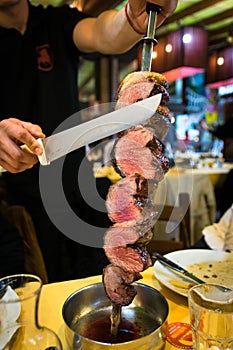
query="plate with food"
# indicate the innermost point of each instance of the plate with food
(209, 265)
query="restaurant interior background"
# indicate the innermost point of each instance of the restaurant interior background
(194, 52)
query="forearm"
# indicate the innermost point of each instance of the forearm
(116, 33)
(109, 33)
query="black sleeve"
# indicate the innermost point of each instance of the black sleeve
(11, 249)
(65, 18)
(73, 17)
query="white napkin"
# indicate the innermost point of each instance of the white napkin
(219, 236)
(9, 312)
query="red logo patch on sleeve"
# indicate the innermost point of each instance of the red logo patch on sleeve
(44, 58)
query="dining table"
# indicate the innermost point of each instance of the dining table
(217, 175)
(201, 198)
(54, 295)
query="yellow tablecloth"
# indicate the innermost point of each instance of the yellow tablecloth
(54, 295)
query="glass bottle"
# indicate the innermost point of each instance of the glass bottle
(19, 327)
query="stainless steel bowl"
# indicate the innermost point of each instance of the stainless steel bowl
(86, 311)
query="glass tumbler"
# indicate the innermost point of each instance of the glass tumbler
(211, 317)
(19, 327)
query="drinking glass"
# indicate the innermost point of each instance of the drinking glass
(19, 327)
(211, 317)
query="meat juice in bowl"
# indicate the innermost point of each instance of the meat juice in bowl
(87, 312)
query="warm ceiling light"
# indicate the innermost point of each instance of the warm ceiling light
(154, 54)
(187, 38)
(168, 48)
(230, 36)
(230, 39)
(220, 61)
(184, 60)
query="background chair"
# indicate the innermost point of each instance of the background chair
(180, 216)
(20, 218)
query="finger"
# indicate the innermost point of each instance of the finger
(33, 147)
(23, 132)
(34, 129)
(18, 156)
(14, 158)
(15, 167)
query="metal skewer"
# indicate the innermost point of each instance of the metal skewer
(115, 319)
(149, 40)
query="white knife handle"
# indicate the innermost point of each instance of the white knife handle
(2, 170)
(42, 159)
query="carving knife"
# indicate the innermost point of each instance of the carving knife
(149, 40)
(60, 144)
(175, 267)
(64, 142)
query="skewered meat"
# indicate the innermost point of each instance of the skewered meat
(127, 198)
(138, 151)
(140, 85)
(118, 286)
(123, 234)
(138, 157)
(131, 258)
(143, 136)
(160, 122)
(139, 76)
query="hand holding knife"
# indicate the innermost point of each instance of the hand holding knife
(64, 142)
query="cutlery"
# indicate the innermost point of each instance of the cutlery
(64, 142)
(175, 267)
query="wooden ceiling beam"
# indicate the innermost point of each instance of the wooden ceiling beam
(228, 28)
(214, 19)
(190, 10)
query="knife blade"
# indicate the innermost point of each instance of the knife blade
(64, 142)
(175, 267)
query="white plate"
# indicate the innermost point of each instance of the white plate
(216, 272)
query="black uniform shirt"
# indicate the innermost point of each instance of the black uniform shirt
(39, 69)
(38, 78)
